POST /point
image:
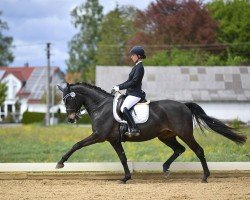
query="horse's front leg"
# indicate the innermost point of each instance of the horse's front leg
(120, 151)
(92, 139)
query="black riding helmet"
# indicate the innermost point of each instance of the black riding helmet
(139, 51)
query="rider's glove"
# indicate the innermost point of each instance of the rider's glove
(115, 89)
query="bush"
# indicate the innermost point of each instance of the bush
(62, 118)
(33, 117)
(85, 120)
(214, 60)
(235, 60)
(36, 117)
(179, 57)
(9, 118)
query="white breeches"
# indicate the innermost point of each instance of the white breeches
(129, 102)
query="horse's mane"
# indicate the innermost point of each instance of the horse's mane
(92, 87)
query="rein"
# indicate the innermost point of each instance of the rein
(90, 108)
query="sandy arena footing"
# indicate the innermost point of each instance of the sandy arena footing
(178, 185)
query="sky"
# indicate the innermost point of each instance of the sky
(33, 23)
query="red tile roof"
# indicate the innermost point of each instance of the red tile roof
(29, 90)
(22, 73)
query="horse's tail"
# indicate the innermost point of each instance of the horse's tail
(203, 120)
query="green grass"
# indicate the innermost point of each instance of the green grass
(36, 143)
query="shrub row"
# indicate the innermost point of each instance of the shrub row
(36, 117)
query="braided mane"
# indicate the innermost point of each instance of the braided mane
(92, 87)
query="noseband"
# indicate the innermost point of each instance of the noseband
(73, 95)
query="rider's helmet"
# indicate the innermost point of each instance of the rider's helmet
(139, 51)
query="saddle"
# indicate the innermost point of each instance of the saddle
(140, 112)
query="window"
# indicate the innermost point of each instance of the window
(10, 108)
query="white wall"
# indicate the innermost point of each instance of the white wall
(157, 87)
(24, 106)
(37, 108)
(13, 84)
(227, 110)
(41, 108)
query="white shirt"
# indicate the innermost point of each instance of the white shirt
(138, 62)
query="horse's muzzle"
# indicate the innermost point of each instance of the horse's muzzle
(72, 118)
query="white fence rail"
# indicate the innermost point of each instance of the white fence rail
(116, 166)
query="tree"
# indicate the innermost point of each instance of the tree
(57, 96)
(174, 22)
(234, 25)
(192, 57)
(82, 48)
(6, 55)
(3, 90)
(115, 30)
(73, 77)
(176, 57)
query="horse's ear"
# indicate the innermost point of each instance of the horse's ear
(60, 87)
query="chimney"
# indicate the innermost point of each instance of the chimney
(26, 64)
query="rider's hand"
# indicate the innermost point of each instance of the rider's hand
(115, 89)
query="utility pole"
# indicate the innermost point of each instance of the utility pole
(53, 102)
(48, 86)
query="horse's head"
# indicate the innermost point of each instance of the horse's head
(72, 103)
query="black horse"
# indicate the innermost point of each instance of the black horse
(167, 120)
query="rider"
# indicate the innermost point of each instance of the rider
(133, 86)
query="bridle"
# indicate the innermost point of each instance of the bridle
(72, 95)
(90, 108)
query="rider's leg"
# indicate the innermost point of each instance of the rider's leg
(128, 103)
(133, 131)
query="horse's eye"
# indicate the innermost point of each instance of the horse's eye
(66, 101)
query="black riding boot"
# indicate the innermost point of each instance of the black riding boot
(134, 131)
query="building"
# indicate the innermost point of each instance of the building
(223, 92)
(26, 87)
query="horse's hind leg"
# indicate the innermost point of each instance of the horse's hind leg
(198, 150)
(177, 148)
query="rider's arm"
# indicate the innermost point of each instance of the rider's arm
(136, 79)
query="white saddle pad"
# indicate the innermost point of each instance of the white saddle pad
(140, 112)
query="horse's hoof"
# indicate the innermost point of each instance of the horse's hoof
(204, 181)
(121, 182)
(59, 165)
(166, 174)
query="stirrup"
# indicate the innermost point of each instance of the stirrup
(133, 133)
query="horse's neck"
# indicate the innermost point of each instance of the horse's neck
(91, 98)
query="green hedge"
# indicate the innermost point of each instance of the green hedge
(32, 117)
(36, 117)
(9, 119)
